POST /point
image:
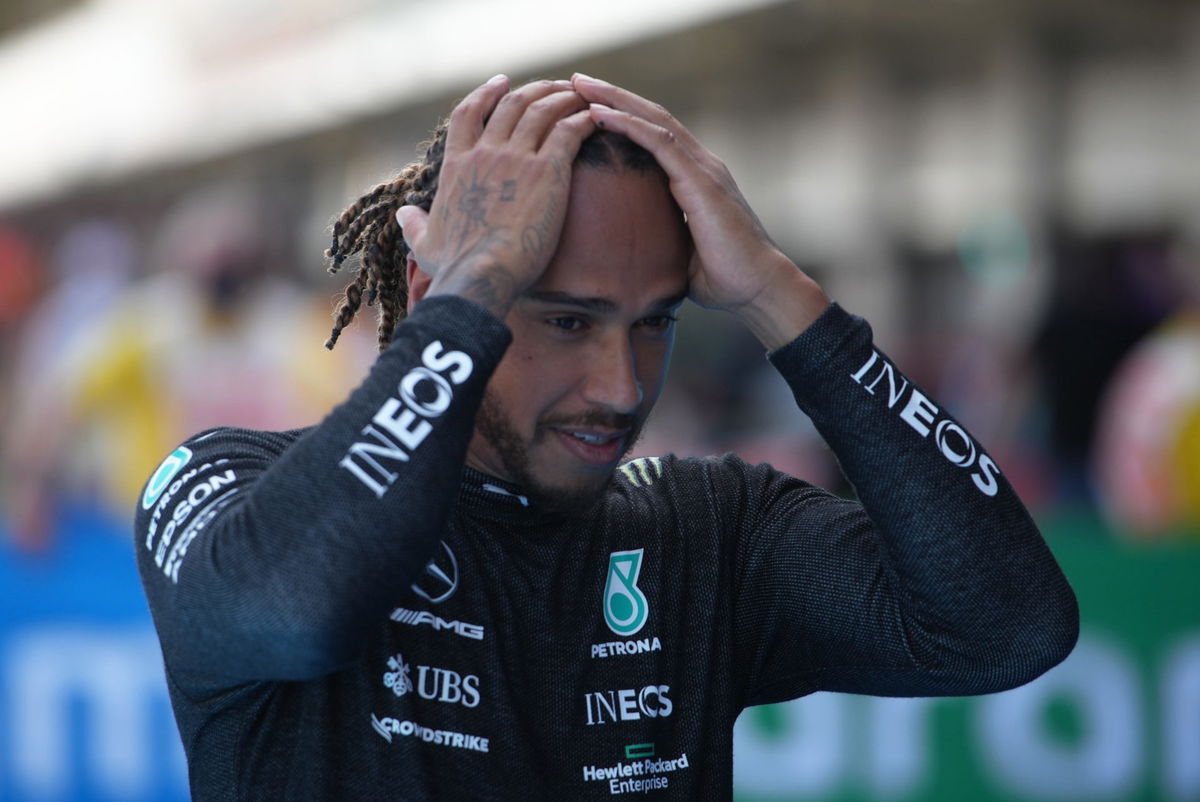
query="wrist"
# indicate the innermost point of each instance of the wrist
(494, 287)
(785, 308)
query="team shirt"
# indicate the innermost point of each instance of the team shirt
(346, 612)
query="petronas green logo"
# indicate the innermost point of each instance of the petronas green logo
(625, 606)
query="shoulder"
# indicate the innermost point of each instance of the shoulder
(728, 467)
(726, 480)
(213, 452)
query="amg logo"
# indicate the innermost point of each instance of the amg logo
(418, 618)
(921, 414)
(402, 423)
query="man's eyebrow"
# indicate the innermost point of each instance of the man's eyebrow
(567, 299)
(596, 304)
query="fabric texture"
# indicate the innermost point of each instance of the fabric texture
(347, 613)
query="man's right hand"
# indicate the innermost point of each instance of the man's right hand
(502, 193)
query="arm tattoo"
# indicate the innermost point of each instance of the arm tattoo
(508, 190)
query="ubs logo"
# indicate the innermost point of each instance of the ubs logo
(440, 579)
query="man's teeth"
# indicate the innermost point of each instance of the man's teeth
(591, 438)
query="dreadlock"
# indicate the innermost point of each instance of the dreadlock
(369, 226)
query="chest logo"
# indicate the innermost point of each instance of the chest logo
(625, 606)
(398, 678)
(440, 579)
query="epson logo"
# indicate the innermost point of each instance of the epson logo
(417, 618)
(402, 423)
(921, 414)
(629, 704)
(194, 498)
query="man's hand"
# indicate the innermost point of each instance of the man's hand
(502, 192)
(736, 266)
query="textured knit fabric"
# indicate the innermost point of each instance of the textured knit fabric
(347, 613)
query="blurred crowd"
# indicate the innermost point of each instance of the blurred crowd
(122, 334)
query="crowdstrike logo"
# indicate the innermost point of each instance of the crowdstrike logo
(401, 424)
(387, 727)
(921, 415)
(625, 606)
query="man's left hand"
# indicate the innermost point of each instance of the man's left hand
(736, 266)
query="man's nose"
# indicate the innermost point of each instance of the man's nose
(611, 377)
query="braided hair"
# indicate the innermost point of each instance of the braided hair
(369, 228)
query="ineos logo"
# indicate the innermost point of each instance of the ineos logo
(440, 579)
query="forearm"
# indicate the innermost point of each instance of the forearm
(978, 592)
(280, 565)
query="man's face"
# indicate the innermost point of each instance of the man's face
(591, 341)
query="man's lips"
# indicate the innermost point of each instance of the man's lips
(593, 445)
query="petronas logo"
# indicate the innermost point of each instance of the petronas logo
(625, 606)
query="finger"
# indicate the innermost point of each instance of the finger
(662, 142)
(542, 115)
(512, 107)
(564, 139)
(468, 117)
(597, 91)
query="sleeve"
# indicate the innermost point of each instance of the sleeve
(935, 582)
(264, 558)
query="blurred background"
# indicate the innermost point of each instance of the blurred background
(1009, 190)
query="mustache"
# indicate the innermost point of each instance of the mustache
(592, 417)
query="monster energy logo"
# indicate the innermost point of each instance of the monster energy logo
(625, 606)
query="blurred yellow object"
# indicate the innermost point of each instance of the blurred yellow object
(1147, 456)
(1186, 461)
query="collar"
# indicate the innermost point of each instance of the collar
(484, 496)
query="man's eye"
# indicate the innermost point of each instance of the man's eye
(658, 322)
(566, 323)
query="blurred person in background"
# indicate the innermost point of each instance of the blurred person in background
(1145, 461)
(19, 289)
(91, 267)
(452, 588)
(112, 373)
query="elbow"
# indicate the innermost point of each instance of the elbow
(1032, 647)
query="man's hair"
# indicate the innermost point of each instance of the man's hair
(369, 226)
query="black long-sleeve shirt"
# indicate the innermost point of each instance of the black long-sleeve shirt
(347, 613)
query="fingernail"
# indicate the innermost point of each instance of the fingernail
(399, 220)
(579, 76)
(495, 79)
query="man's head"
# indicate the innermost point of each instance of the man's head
(591, 338)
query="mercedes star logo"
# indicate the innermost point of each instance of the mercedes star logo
(440, 579)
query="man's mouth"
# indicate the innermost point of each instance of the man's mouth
(593, 446)
(594, 438)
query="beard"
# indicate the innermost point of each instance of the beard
(495, 426)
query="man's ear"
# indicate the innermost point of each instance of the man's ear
(412, 221)
(418, 281)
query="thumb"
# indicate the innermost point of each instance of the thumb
(412, 221)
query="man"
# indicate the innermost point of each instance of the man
(348, 612)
